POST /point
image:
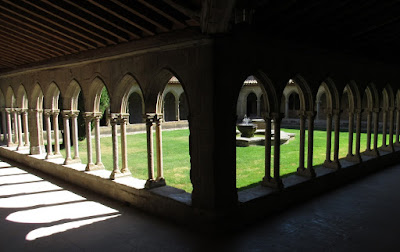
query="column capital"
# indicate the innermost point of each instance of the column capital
(114, 121)
(277, 116)
(376, 110)
(310, 114)
(337, 111)
(74, 113)
(35, 110)
(48, 112)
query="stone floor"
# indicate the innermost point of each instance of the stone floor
(40, 213)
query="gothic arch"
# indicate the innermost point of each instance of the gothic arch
(305, 94)
(22, 97)
(52, 96)
(10, 98)
(2, 100)
(93, 99)
(36, 101)
(70, 99)
(125, 87)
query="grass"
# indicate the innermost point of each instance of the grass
(249, 160)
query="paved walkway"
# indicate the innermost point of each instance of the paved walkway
(40, 213)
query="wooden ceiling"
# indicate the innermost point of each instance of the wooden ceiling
(34, 31)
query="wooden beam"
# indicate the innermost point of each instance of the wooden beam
(20, 47)
(161, 26)
(31, 21)
(128, 20)
(177, 23)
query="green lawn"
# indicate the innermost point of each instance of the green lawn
(249, 160)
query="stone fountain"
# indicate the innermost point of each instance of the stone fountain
(247, 128)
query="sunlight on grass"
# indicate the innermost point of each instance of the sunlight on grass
(249, 160)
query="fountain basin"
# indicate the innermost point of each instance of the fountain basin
(247, 130)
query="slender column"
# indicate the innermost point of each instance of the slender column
(328, 138)
(351, 127)
(258, 106)
(318, 110)
(309, 171)
(302, 142)
(88, 127)
(97, 117)
(115, 171)
(358, 135)
(376, 126)
(397, 126)
(26, 130)
(267, 177)
(160, 168)
(177, 109)
(150, 157)
(277, 150)
(384, 126)
(56, 133)
(9, 130)
(15, 124)
(67, 143)
(19, 128)
(336, 116)
(4, 125)
(369, 122)
(47, 115)
(391, 114)
(74, 118)
(36, 134)
(124, 147)
(287, 107)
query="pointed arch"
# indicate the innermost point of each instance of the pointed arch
(10, 98)
(36, 98)
(304, 91)
(388, 96)
(125, 87)
(2, 100)
(93, 99)
(70, 99)
(52, 96)
(328, 85)
(354, 97)
(22, 97)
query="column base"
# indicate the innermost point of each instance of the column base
(332, 164)
(91, 167)
(71, 161)
(49, 155)
(353, 158)
(22, 147)
(119, 174)
(306, 172)
(272, 183)
(372, 153)
(100, 166)
(387, 148)
(37, 150)
(150, 184)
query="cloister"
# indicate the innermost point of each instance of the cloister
(187, 73)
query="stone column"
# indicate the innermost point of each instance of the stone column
(391, 122)
(328, 139)
(160, 169)
(9, 129)
(26, 128)
(350, 144)
(384, 126)
(357, 155)
(4, 125)
(177, 109)
(310, 168)
(36, 132)
(267, 180)
(56, 133)
(67, 143)
(96, 118)
(88, 127)
(115, 172)
(286, 107)
(277, 181)
(397, 126)
(47, 115)
(302, 142)
(336, 162)
(19, 128)
(15, 124)
(74, 122)
(318, 110)
(258, 106)
(369, 122)
(376, 126)
(150, 155)
(124, 147)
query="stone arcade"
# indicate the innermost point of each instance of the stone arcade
(211, 47)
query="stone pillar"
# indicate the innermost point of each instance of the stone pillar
(56, 133)
(357, 155)
(391, 133)
(47, 115)
(336, 162)
(19, 127)
(309, 171)
(397, 126)
(384, 126)
(267, 180)
(350, 144)
(177, 114)
(150, 157)
(115, 172)
(369, 122)
(15, 124)
(67, 143)
(88, 127)
(160, 169)
(328, 139)
(96, 118)
(277, 181)
(36, 132)
(9, 129)
(302, 142)
(286, 107)
(376, 126)
(318, 110)
(258, 106)
(26, 128)
(74, 122)
(4, 125)
(124, 147)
